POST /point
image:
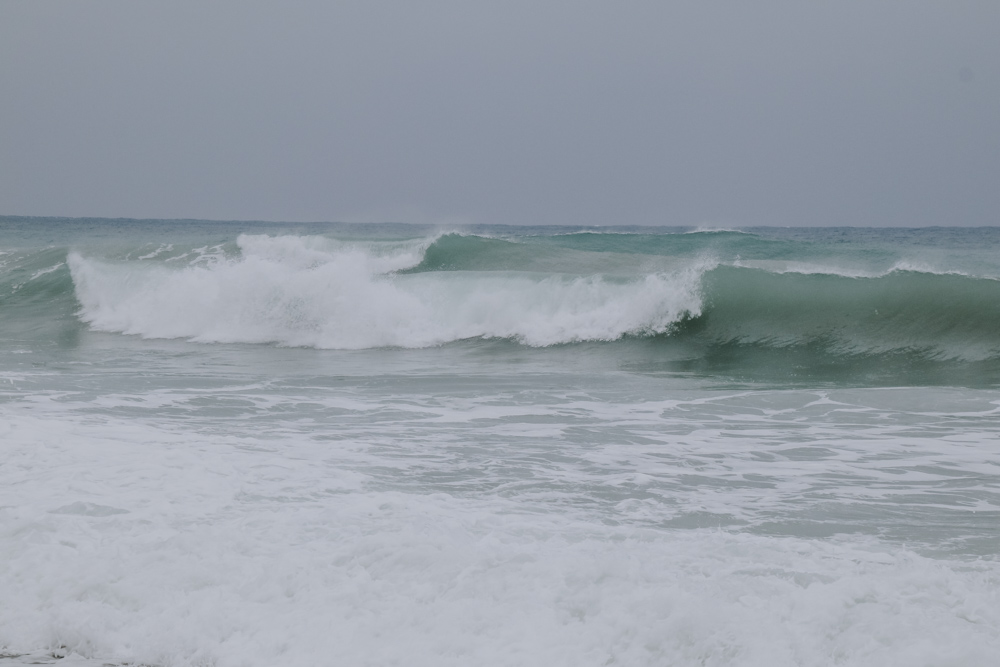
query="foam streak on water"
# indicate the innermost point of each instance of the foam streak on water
(230, 444)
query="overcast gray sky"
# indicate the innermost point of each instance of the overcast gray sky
(672, 113)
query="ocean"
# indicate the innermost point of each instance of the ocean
(260, 444)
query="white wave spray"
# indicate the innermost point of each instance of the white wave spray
(306, 291)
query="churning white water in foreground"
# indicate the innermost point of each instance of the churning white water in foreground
(232, 449)
(449, 531)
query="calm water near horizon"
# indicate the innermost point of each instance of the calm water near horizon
(237, 443)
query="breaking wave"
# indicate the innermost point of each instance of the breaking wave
(313, 291)
(292, 291)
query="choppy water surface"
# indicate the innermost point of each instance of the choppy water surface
(261, 444)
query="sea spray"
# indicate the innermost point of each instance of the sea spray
(293, 292)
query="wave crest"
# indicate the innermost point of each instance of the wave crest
(311, 292)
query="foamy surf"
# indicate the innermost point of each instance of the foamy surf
(301, 292)
(186, 546)
(637, 448)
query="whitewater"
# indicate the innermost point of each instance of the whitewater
(249, 443)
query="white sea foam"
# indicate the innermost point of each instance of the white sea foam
(303, 291)
(161, 248)
(713, 229)
(163, 542)
(844, 271)
(42, 272)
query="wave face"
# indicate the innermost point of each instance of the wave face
(944, 316)
(782, 303)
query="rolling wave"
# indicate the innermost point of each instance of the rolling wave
(313, 291)
(287, 290)
(939, 315)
